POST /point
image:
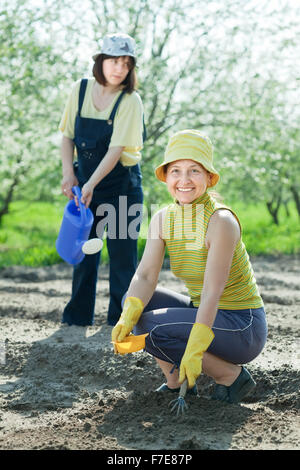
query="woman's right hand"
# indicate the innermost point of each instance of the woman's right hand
(67, 183)
(132, 310)
(87, 193)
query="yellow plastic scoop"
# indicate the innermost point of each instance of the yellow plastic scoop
(131, 344)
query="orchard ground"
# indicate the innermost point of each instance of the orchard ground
(63, 388)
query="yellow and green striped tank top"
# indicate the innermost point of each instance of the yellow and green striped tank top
(184, 235)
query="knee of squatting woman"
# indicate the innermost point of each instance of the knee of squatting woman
(220, 325)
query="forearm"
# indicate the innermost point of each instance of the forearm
(222, 236)
(68, 176)
(207, 310)
(106, 165)
(213, 288)
(145, 279)
(67, 154)
(142, 287)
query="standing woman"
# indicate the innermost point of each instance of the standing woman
(103, 122)
(220, 325)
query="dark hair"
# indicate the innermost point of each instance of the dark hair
(130, 82)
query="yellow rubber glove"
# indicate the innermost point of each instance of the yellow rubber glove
(191, 363)
(130, 315)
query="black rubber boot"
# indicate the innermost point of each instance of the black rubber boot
(240, 388)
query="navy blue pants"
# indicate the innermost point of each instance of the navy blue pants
(240, 335)
(123, 258)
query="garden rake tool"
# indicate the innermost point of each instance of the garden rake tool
(179, 405)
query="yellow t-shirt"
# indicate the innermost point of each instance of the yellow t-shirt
(128, 121)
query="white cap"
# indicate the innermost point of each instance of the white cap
(118, 44)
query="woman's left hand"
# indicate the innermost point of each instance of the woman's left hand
(87, 194)
(191, 363)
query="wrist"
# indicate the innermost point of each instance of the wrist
(133, 302)
(132, 309)
(68, 171)
(91, 183)
(201, 336)
(203, 325)
(202, 328)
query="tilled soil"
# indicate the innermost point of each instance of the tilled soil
(63, 388)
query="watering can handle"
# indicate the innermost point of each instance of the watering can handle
(77, 192)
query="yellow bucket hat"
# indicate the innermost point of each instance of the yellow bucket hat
(189, 144)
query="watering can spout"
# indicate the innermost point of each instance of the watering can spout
(73, 242)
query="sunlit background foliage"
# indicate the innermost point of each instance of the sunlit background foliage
(228, 67)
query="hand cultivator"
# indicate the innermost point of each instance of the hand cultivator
(179, 405)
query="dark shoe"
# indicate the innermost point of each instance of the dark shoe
(240, 388)
(165, 388)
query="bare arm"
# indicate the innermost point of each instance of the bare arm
(145, 279)
(106, 165)
(68, 177)
(223, 234)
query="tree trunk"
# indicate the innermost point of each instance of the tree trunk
(273, 207)
(7, 199)
(296, 198)
(286, 208)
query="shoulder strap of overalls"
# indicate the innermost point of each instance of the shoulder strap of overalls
(112, 114)
(114, 110)
(82, 89)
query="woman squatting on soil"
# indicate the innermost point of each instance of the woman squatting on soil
(221, 324)
(103, 120)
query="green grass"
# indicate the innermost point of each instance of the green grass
(29, 231)
(262, 237)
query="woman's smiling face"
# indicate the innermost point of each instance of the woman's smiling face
(187, 180)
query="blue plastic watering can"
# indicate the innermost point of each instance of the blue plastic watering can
(73, 242)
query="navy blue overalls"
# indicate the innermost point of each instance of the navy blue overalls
(92, 139)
